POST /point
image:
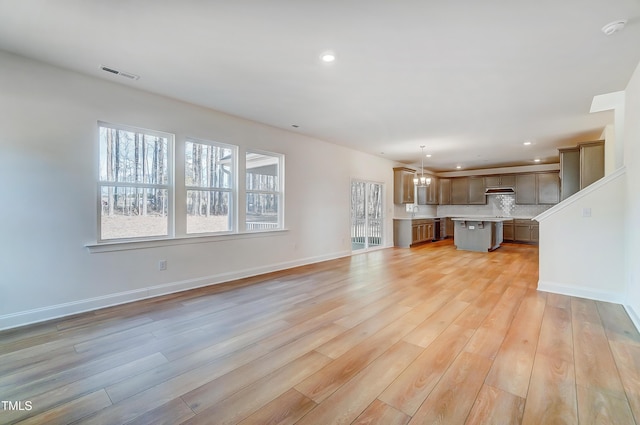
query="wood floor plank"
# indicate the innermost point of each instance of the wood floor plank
(284, 410)
(599, 407)
(409, 390)
(496, 407)
(174, 412)
(444, 335)
(452, 399)
(627, 358)
(429, 330)
(350, 400)
(248, 400)
(552, 393)
(322, 384)
(380, 413)
(511, 370)
(595, 367)
(349, 339)
(71, 411)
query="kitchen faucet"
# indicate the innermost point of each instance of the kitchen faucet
(413, 211)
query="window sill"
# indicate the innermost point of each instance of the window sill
(186, 240)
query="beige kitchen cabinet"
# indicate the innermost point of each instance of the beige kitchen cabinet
(526, 231)
(591, 163)
(508, 231)
(445, 191)
(403, 187)
(460, 191)
(537, 188)
(422, 231)
(526, 189)
(548, 188)
(569, 171)
(468, 191)
(506, 180)
(409, 232)
(429, 195)
(476, 191)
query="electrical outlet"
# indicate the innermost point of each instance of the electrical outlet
(162, 265)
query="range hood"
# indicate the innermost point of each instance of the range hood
(499, 191)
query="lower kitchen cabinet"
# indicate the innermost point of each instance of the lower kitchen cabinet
(508, 231)
(411, 232)
(526, 231)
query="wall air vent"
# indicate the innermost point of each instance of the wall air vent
(120, 73)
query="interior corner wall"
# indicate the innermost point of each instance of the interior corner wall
(48, 169)
(632, 204)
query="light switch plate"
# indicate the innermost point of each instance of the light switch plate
(586, 212)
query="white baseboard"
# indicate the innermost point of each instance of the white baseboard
(29, 317)
(580, 292)
(635, 317)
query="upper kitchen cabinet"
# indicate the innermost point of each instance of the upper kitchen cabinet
(591, 163)
(460, 191)
(548, 188)
(468, 191)
(507, 180)
(537, 188)
(526, 189)
(580, 166)
(445, 192)
(403, 187)
(429, 195)
(569, 171)
(476, 191)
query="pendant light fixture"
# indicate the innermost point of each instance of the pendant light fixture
(422, 180)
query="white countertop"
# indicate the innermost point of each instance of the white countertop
(462, 217)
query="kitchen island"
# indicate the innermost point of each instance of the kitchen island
(482, 234)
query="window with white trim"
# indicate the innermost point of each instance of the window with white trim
(209, 181)
(135, 183)
(264, 191)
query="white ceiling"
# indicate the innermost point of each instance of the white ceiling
(472, 80)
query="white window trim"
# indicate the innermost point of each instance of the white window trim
(169, 186)
(233, 191)
(279, 194)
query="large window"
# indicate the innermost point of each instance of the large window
(209, 177)
(134, 183)
(264, 191)
(138, 177)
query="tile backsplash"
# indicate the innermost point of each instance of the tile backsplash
(497, 205)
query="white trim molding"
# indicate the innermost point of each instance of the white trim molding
(633, 315)
(580, 292)
(29, 317)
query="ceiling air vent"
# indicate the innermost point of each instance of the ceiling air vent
(120, 73)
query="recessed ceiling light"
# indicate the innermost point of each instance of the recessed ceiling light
(536, 160)
(527, 143)
(459, 167)
(428, 155)
(328, 57)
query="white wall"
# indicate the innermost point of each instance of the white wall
(632, 204)
(584, 255)
(48, 169)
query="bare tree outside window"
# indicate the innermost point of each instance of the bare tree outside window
(209, 183)
(133, 183)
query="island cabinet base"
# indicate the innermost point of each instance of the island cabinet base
(477, 234)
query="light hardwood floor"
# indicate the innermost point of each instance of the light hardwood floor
(420, 336)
